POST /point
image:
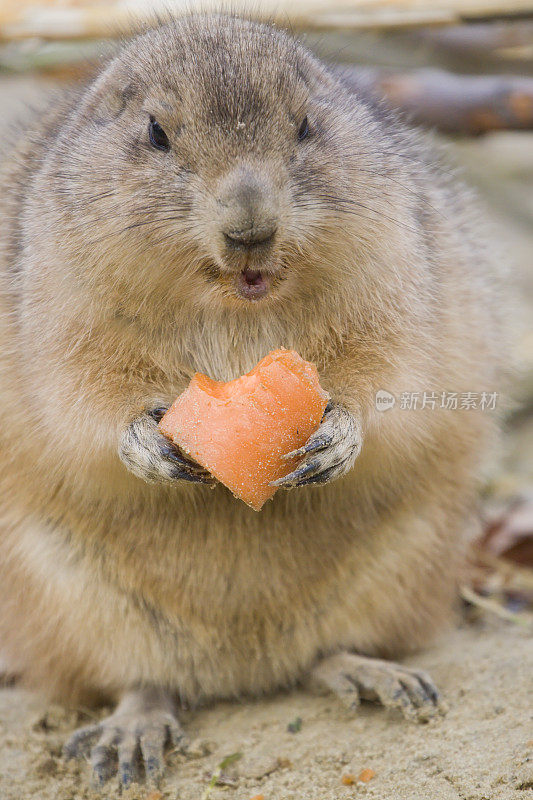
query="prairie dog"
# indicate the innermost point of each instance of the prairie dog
(213, 194)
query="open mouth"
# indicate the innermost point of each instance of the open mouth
(252, 284)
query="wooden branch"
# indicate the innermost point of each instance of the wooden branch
(71, 19)
(493, 607)
(477, 48)
(456, 104)
(480, 39)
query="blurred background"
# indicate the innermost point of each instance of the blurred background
(463, 69)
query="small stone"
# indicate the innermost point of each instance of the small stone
(295, 726)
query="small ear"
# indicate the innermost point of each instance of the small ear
(112, 104)
(110, 95)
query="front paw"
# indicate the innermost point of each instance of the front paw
(329, 453)
(152, 457)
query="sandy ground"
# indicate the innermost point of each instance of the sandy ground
(481, 750)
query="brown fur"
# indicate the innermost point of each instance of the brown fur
(114, 290)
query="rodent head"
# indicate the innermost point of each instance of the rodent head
(211, 161)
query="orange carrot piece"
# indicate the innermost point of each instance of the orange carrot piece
(348, 779)
(240, 431)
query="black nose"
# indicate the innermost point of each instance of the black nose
(250, 238)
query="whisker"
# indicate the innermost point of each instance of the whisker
(347, 206)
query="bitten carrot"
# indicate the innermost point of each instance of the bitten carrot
(240, 431)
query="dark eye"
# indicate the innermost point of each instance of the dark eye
(158, 137)
(303, 131)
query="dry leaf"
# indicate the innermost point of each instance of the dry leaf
(509, 533)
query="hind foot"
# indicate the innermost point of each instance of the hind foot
(354, 678)
(131, 739)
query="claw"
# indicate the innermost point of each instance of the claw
(314, 473)
(293, 478)
(319, 477)
(79, 744)
(325, 475)
(187, 470)
(415, 691)
(314, 444)
(157, 413)
(431, 691)
(152, 752)
(104, 757)
(128, 759)
(169, 451)
(195, 477)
